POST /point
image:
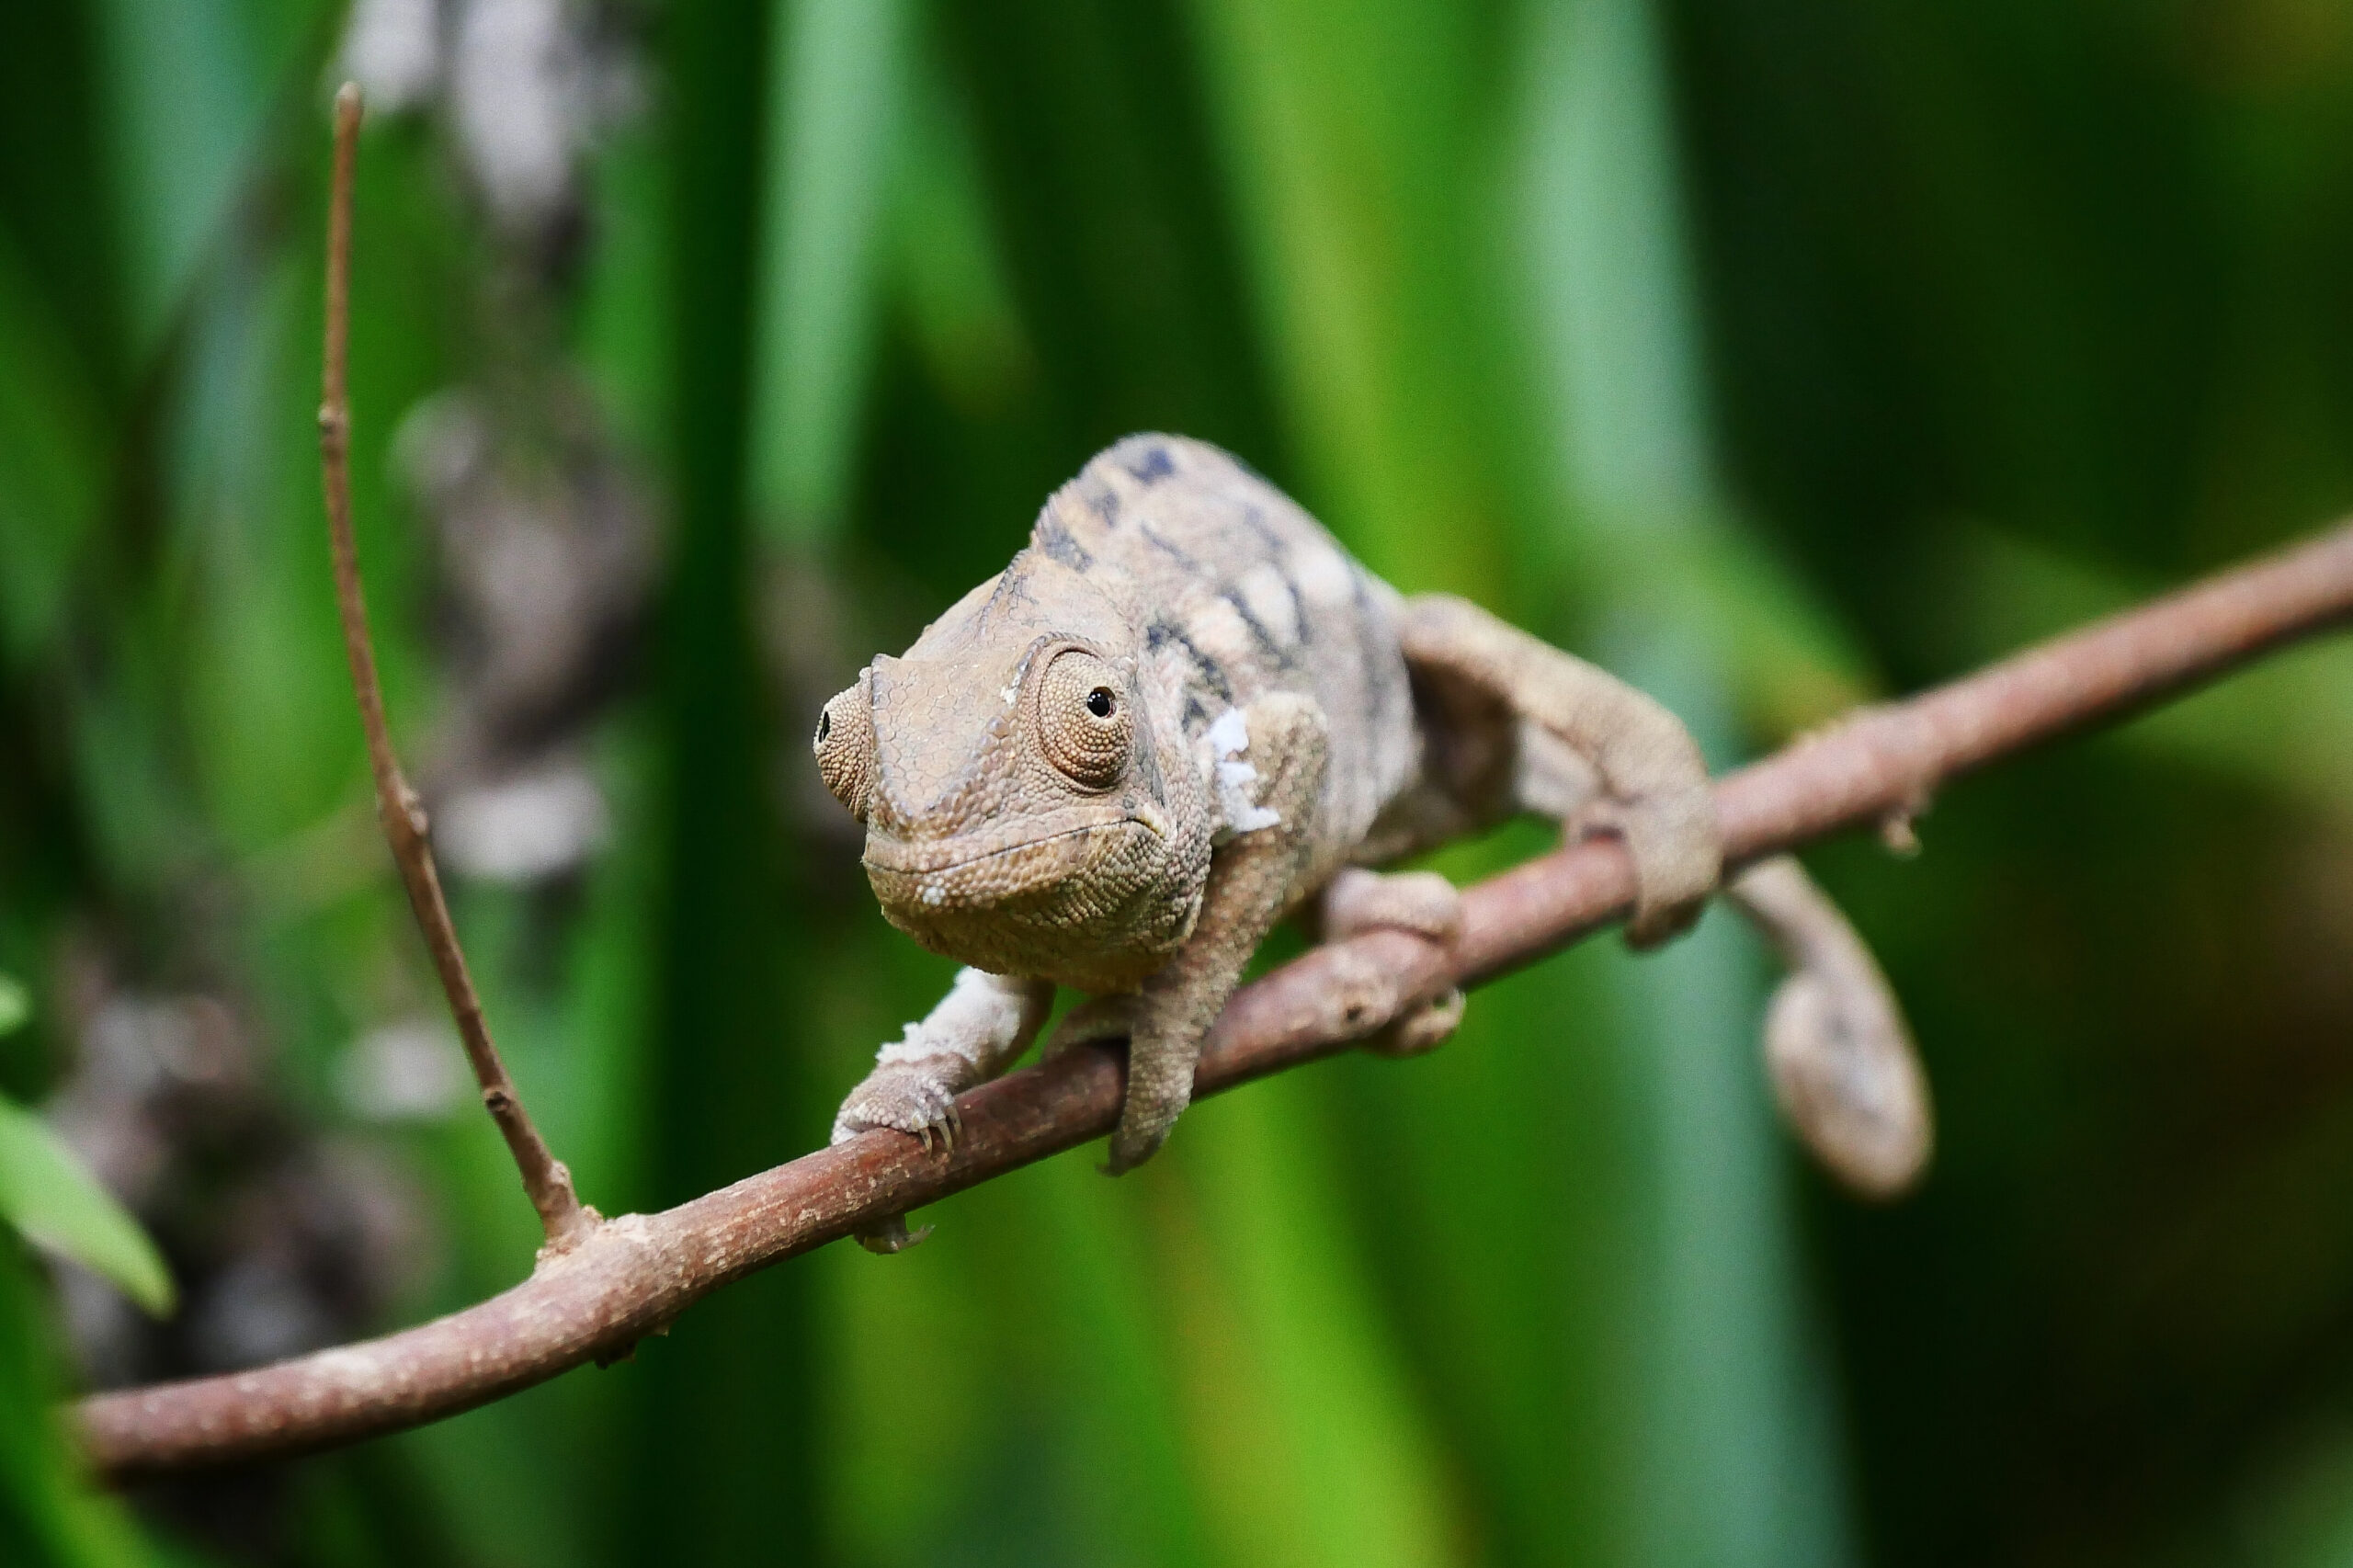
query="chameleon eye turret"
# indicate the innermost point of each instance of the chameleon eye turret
(845, 747)
(1083, 727)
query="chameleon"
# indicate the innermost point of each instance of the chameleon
(1185, 712)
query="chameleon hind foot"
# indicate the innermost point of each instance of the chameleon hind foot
(1520, 725)
(1424, 902)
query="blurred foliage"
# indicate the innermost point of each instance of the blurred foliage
(53, 1202)
(1780, 354)
(52, 1199)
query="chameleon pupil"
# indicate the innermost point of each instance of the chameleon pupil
(1099, 702)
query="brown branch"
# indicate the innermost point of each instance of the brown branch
(631, 1276)
(563, 1217)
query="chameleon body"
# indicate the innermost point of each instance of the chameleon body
(1184, 712)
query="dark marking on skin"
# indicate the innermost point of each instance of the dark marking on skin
(1255, 518)
(1386, 686)
(1160, 634)
(1258, 633)
(1196, 717)
(1375, 698)
(1161, 541)
(996, 594)
(1153, 466)
(1055, 540)
(1148, 767)
(1102, 500)
(1012, 587)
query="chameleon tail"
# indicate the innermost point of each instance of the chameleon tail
(1840, 1058)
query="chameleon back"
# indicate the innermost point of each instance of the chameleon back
(1240, 592)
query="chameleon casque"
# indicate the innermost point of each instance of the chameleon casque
(1185, 712)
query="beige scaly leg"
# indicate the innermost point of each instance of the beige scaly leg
(1517, 726)
(1530, 728)
(1252, 879)
(984, 1022)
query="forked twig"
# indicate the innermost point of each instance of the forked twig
(563, 1217)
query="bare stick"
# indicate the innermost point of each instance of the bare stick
(636, 1273)
(563, 1217)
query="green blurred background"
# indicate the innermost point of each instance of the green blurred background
(1781, 354)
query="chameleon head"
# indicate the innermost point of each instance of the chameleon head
(1018, 810)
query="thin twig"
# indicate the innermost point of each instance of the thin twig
(563, 1217)
(635, 1274)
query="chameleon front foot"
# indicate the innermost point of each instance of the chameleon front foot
(891, 1236)
(1160, 1068)
(984, 1022)
(915, 1097)
(1139, 1136)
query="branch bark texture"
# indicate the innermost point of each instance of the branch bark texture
(631, 1276)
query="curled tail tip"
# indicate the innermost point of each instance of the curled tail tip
(1845, 1075)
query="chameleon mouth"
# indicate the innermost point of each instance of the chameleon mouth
(1084, 902)
(987, 865)
(898, 857)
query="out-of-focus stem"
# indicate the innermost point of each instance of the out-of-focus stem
(563, 1217)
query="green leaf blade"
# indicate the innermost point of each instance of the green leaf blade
(49, 1195)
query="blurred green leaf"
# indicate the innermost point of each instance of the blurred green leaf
(15, 1004)
(1736, 1440)
(840, 78)
(48, 1194)
(50, 450)
(51, 1513)
(188, 86)
(959, 301)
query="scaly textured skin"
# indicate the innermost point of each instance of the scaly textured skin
(1179, 714)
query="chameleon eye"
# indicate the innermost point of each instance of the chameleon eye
(845, 747)
(1082, 724)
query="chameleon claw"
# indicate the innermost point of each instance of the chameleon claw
(890, 1236)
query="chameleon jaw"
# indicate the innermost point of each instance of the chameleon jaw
(1079, 904)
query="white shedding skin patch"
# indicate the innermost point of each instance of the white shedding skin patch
(974, 1021)
(1228, 737)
